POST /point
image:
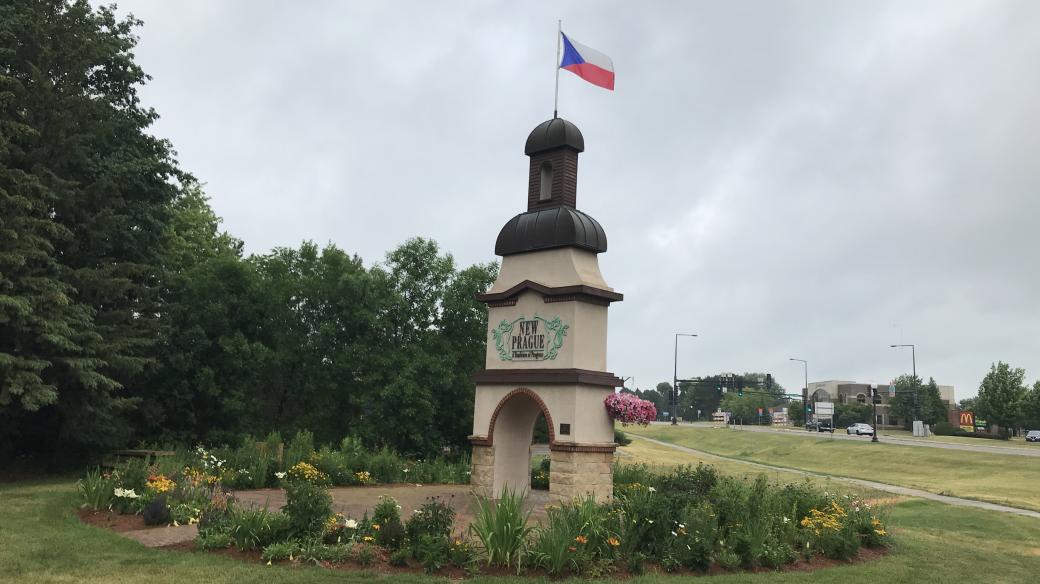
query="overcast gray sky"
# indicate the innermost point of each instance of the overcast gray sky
(786, 179)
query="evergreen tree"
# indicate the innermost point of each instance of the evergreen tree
(88, 247)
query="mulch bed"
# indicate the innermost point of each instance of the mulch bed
(113, 521)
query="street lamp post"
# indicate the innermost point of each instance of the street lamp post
(675, 377)
(805, 391)
(874, 398)
(913, 364)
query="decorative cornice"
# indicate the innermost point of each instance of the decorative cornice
(568, 376)
(577, 293)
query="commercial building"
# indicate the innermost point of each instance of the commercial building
(846, 392)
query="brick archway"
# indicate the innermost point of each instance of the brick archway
(521, 391)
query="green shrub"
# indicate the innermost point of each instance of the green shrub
(134, 474)
(97, 489)
(692, 538)
(502, 527)
(212, 540)
(386, 467)
(842, 544)
(399, 558)
(336, 465)
(255, 527)
(434, 552)
(364, 554)
(299, 450)
(778, 553)
(386, 520)
(281, 551)
(636, 563)
(630, 474)
(621, 438)
(315, 551)
(433, 518)
(943, 429)
(462, 554)
(307, 507)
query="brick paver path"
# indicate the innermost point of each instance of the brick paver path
(161, 536)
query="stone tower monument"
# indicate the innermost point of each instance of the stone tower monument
(547, 343)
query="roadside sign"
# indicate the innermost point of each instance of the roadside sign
(891, 391)
(760, 411)
(824, 409)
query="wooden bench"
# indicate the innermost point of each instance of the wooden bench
(118, 458)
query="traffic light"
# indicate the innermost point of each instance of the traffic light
(769, 382)
(740, 392)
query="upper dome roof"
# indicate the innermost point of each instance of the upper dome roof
(552, 134)
(551, 228)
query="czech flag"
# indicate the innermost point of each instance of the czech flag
(589, 64)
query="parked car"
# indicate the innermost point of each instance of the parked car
(1033, 436)
(860, 429)
(825, 426)
(810, 426)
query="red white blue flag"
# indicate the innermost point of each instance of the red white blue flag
(589, 64)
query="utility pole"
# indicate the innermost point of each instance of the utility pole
(675, 378)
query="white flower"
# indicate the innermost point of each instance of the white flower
(675, 534)
(406, 470)
(280, 475)
(128, 493)
(786, 520)
(651, 489)
(350, 524)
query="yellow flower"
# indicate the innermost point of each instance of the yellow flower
(375, 526)
(582, 539)
(613, 541)
(368, 538)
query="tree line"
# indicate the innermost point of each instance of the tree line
(127, 315)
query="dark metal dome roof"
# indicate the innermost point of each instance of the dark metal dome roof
(552, 134)
(551, 228)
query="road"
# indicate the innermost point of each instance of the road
(905, 491)
(841, 435)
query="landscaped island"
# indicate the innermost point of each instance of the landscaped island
(688, 519)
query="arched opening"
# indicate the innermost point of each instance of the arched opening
(511, 434)
(861, 398)
(545, 182)
(540, 455)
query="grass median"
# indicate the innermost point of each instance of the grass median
(996, 478)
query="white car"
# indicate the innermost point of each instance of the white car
(860, 429)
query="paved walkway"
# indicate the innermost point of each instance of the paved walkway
(906, 491)
(163, 536)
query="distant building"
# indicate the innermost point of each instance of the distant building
(846, 392)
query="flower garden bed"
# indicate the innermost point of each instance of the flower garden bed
(691, 520)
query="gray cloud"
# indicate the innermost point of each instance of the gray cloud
(807, 179)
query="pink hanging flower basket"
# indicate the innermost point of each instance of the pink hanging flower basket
(629, 409)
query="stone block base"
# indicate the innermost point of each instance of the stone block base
(574, 474)
(482, 473)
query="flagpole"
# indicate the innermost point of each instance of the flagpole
(559, 41)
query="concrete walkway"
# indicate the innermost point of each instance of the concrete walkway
(905, 491)
(163, 536)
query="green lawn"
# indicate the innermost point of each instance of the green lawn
(996, 478)
(41, 540)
